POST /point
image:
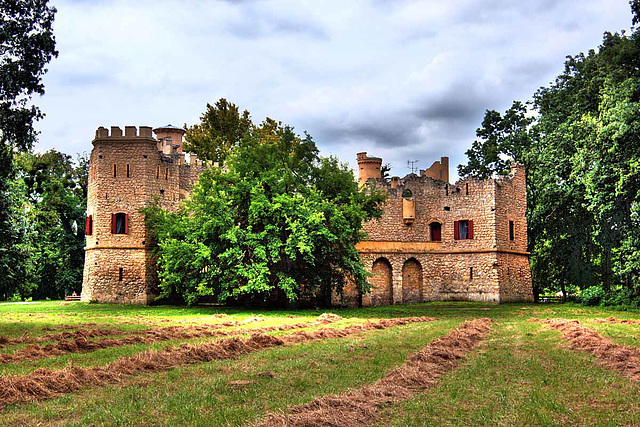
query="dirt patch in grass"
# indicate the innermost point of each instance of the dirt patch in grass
(361, 407)
(78, 341)
(621, 321)
(625, 360)
(46, 383)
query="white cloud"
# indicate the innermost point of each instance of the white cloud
(399, 79)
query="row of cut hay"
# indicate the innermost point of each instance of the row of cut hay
(46, 383)
(623, 359)
(360, 407)
(85, 330)
(619, 321)
(82, 344)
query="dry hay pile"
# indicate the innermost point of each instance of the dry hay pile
(360, 407)
(615, 356)
(46, 383)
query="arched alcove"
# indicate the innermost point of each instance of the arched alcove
(411, 281)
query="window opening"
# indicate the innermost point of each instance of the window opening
(157, 172)
(119, 223)
(447, 208)
(128, 171)
(463, 230)
(120, 274)
(115, 170)
(166, 173)
(470, 273)
(467, 189)
(446, 190)
(512, 231)
(407, 193)
(436, 231)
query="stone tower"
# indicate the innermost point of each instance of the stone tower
(126, 173)
(368, 167)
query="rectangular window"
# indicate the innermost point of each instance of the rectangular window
(119, 223)
(166, 173)
(470, 273)
(128, 171)
(120, 274)
(512, 231)
(115, 170)
(157, 172)
(467, 189)
(463, 229)
(436, 231)
(88, 225)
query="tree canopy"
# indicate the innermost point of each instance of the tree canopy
(580, 142)
(220, 129)
(279, 223)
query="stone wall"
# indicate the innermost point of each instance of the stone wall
(126, 174)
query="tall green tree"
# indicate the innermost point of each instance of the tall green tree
(27, 44)
(220, 129)
(278, 224)
(582, 156)
(56, 188)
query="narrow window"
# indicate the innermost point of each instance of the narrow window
(128, 171)
(463, 230)
(436, 231)
(467, 189)
(119, 223)
(88, 225)
(470, 273)
(512, 231)
(115, 170)
(120, 274)
(446, 190)
(157, 172)
(166, 173)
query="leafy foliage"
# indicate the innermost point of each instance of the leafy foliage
(581, 148)
(278, 223)
(220, 129)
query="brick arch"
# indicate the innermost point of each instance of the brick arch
(411, 281)
(382, 281)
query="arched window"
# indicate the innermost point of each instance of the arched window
(407, 193)
(436, 231)
(119, 223)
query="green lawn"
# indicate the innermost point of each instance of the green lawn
(523, 373)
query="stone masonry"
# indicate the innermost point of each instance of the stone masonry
(127, 172)
(435, 240)
(438, 241)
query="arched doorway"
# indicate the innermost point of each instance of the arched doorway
(382, 281)
(411, 281)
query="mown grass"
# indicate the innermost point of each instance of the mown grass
(523, 374)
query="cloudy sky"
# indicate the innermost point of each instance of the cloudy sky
(400, 79)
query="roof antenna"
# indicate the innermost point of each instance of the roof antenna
(411, 164)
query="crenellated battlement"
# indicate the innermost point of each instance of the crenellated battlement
(129, 132)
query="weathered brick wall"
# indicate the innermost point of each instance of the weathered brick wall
(489, 267)
(152, 176)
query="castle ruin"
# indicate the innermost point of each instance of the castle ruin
(435, 241)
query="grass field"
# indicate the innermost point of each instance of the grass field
(522, 372)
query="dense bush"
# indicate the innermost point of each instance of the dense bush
(591, 296)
